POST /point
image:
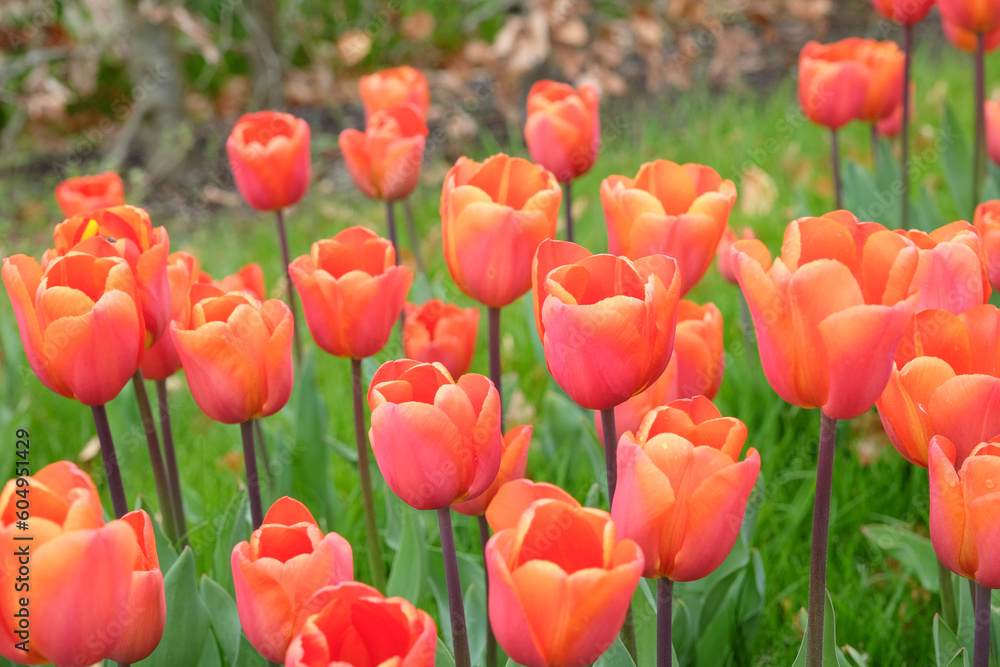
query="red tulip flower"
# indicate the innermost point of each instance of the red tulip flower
(563, 130)
(83, 194)
(950, 272)
(977, 16)
(145, 614)
(907, 12)
(833, 84)
(395, 87)
(987, 221)
(384, 160)
(965, 40)
(442, 332)
(884, 61)
(269, 156)
(606, 323)
(513, 461)
(515, 497)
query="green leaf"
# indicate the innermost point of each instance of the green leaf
(863, 196)
(443, 656)
(224, 617)
(914, 552)
(210, 653)
(644, 620)
(187, 623)
(407, 566)
(310, 479)
(616, 656)
(234, 526)
(947, 649)
(956, 162)
(830, 652)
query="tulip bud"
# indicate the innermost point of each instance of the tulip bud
(442, 332)
(83, 194)
(384, 160)
(832, 83)
(395, 87)
(977, 16)
(563, 130)
(269, 155)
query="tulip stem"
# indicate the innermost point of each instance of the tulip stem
(820, 538)
(491, 640)
(411, 229)
(979, 157)
(286, 259)
(948, 612)
(874, 138)
(155, 457)
(253, 481)
(494, 341)
(610, 433)
(170, 457)
(569, 212)
(835, 158)
(265, 460)
(111, 469)
(364, 473)
(664, 618)
(905, 169)
(981, 654)
(456, 606)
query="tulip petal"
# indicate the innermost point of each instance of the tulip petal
(949, 532)
(966, 410)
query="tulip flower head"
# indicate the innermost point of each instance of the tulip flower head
(360, 627)
(352, 291)
(81, 321)
(384, 160)
(830, 311)
(395, 87)
(280, 573)
(606, 323)
(946, 381)
(987, 221)
(682, 490)
(513, 461)
(442, 332)
(965, 40)
(560, 584)
(436, 441)
(669, 209)
(907, 12)
(146, 612)
(976, 16)
(965, 508)
(236, 353)
(161, 359)
(269, 155)
(83, 194)
(884, 61)
(563, 130)
(493, 216)
(515, 497)
(248, 279)
(950, 272)
(833, 84)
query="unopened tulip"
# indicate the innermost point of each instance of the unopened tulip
(69, 604)
(493, 216)
(563, 130)
(236, 353)
(682, 490)
(384, 160)
(394, 87)
(669, 209)
(278, 573)
(965, 510)
(978, 16)
(84, 194)
(987, 221)
(993, 128)
(352, 291)
(442, 332)
(436, 441)
(833, 84)
(695, 368)
(358, 626)
(884, 61)
(146, 612)
(134, 238)
(513, 461)
(161, 359)
(514, 497)
(724, 252)
(965, 40)
(946, 382)
(830, 311)
(606, 323)
(269, 155)
(560, 584)
(81, 321)
(907, 12)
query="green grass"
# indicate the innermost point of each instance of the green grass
(881, 611)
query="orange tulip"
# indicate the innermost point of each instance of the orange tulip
(442, 332)
(946, 382)
(352, 291)
(513, 461)
(965, 40)
(669, 209)
(965, 510)
(394, 87)
(993, 128)
(81, 323)
(606, 323)
(280, 572)
(724, 252)
(358, 626)
(161, 359)
(833, 84)
(84, 194)
(515, 497)
(987, 221)
(884, 61)
(248, 279)
(563, 131)
(436, 441)
(493, 216)
(950, 273)
(982, 16)
(560, 584)
(134, 238)
(64, 601)
(830, 311)
(907, 12)
(146, 612)
(384, 160)
(269, 155)
(695, 368)
(236, 353)
(682, 490)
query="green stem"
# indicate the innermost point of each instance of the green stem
(411, 230)
(170, 458)
(456, 606)
(905, 134)
(155, 457)
(948, 612)
(491, 640)
(820, 539)
(287, 260)
(111, 469)
(253, 480)
(365, 476)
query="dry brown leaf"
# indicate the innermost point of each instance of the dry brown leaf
(572, 32)
(353, 46)
(758, 192)
(418, 26)
(523, 42)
